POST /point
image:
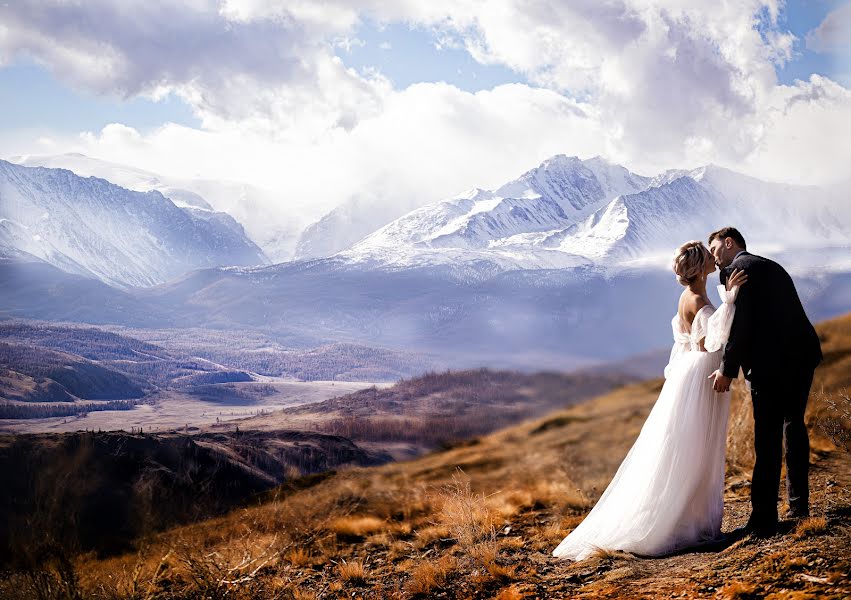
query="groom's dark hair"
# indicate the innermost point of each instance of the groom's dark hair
(729, 232)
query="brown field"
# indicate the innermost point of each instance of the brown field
(479, 521)
(173, 409)
(437, 409)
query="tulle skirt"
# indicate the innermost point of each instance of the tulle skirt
(667, 494)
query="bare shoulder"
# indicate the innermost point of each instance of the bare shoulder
(690, 304)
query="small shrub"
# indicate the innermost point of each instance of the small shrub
(835, 420)
(466, 514)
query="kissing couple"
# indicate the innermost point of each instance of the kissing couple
(668, 493)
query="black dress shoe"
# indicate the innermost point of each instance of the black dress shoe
(761, 529)
(795, 515)
(764, 531)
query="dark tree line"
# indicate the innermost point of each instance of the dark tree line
(65, 409)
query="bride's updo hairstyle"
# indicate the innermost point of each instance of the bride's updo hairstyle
(690, 261)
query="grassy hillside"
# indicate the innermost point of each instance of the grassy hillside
(479, 520)
(103, 491)
(439, 408)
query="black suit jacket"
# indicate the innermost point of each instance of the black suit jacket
(771, 334)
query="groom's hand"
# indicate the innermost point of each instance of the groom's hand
(722, 382)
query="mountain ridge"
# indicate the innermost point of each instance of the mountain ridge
(92, 227)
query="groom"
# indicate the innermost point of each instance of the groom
(778, 349)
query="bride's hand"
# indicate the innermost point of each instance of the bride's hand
(737, 278)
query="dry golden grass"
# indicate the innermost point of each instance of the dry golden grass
(429, 576)
(487, 555)
(510, 593)
(356, 526)
(740, 448)
(740, 591)
(429, 534)
(611, 554)
(466, 514)
(353, 572)
(299, 557)
(811, 526)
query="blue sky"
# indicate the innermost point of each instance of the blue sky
(800, 17)
(35, 100)
(408, 55)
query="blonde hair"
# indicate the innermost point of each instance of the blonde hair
(690, 261)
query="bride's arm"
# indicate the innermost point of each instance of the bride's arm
(721, 322)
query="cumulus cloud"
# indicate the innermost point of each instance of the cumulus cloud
(222, 58)
(430, 141)
(651, 85)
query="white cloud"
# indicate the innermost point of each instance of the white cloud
(649, 84)
(428, 142)
(834, 33)
(224, 59)
(806, 133)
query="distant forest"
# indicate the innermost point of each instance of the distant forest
(65, 409)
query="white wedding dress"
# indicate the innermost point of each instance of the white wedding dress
(667, 494)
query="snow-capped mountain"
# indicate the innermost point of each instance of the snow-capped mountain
(570, 212)
(257, 209)
(554, 268)
(569, 185)
(95, 228)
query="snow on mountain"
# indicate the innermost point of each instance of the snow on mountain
(504, 227)
(691, 204)
(257, 209)
(123, 175)
(577, 186)
(91, 227)
(345, 224)
(568, 187)
(569, 212)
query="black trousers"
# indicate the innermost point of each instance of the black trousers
(778, 410)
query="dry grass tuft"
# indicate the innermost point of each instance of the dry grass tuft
(300, 557)
(487, 555)
(356, 527)
(510, 593)
(466, 514)
(429, 576)
(611, 554)
(740, 450)
(834, 418)
(428, 535)
(740, 591)
(352, 572)
(783, 562)
(811, 526)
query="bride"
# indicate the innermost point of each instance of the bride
(667, 494)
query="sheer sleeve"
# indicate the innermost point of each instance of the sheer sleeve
(700, 324)
(718, 325)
